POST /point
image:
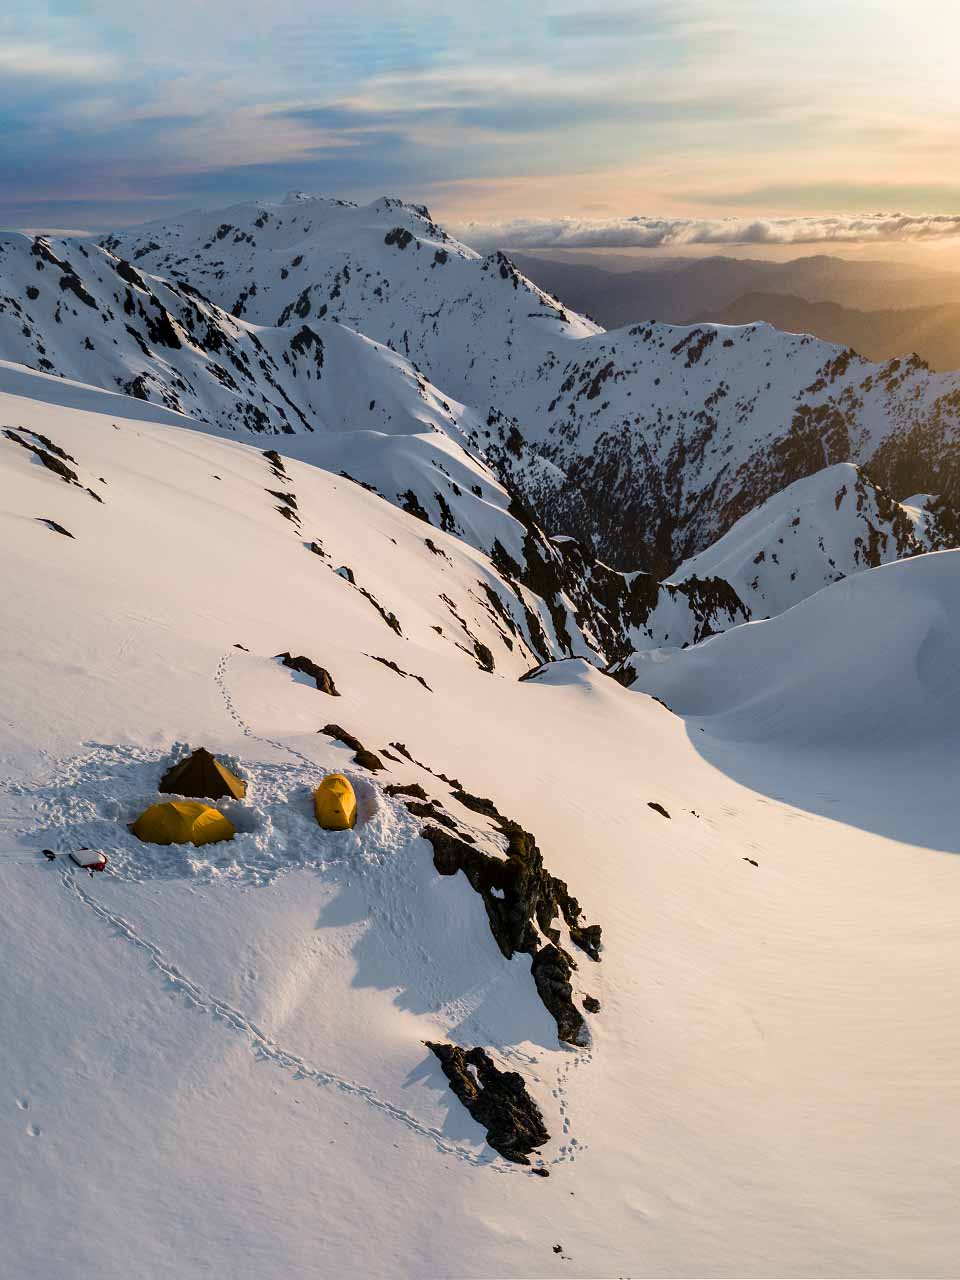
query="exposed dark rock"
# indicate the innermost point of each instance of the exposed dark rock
(522, 901)
(480, 804)
(753, 862)
(276, 463)
(57, 528)
(243, 647)
(399, 236)
(387, 662)
(496, 1099)
(657, 808)
(412, 505)
(307, 667)
(484, 656)
(434, 811)
(366, 759)
(551, 968)
(406, 789)
(541, 1172)
(49, 459)
(591, 1004)
(289, 498)
(391, 619)
(451, 782)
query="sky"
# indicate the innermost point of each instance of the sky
(562, 122)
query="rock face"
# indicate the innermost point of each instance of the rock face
(496, 1099)
(522, 901)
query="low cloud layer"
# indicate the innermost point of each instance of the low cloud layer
(665, 233)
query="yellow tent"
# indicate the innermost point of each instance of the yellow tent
(183, 821)
(202, 774)
(335, 804)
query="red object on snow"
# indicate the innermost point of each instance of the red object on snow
(89, 859)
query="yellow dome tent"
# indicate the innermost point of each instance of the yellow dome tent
(202, 774)
(335, 803)
(182, 822)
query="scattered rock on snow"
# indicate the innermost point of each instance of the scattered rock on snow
(307, 667)
(657, 808)
(496, 1099)
(57, 528)
(387, 662)
(366, 759)
(406, 789)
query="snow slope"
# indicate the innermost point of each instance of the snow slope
(647, 443)
(869, 657)
(218, 1062)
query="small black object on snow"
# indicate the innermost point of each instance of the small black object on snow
(49, 855)
(753, 862)
(658, 808)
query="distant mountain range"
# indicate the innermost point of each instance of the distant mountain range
(932, 332)
(881, 309)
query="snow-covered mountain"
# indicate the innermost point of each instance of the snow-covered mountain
(647, 443)
(816, 531)
(339, 399)
(217, 1060)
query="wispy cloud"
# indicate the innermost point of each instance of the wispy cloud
(36, 61)
(664, 233)
(556, 107)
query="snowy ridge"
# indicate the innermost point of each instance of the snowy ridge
(646, 444)
(82, 314)
(816, 531)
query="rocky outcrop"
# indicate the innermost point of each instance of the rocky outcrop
(523, 902)
(496, 1099)
(306, 666)
(361, 756)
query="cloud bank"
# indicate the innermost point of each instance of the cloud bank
(660, 233)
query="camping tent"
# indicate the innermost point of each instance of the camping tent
(202, 774)
(182, 822)
(335, 804)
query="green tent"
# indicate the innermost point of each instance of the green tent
(202, 774)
